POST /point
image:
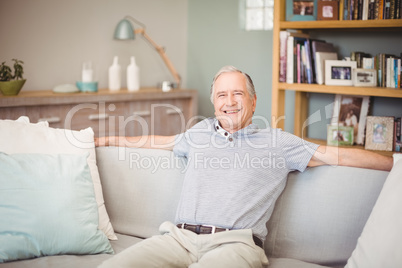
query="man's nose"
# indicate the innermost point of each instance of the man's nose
(231, 100)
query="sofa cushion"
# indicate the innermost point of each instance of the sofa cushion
(48, 207)
(321, 213)
(380, 242)
(68, 261)
(141, 187)
(291, 263)
(20, 136)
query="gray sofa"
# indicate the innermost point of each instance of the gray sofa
(316, 222)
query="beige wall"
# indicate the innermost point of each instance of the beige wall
(54, 38)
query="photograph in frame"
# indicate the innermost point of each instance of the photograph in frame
(339, 72)
(380, 133)
(364, 77)
(340, 135)
(351, 111)
(301, 10)
(327, 10)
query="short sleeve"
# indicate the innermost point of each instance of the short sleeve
(181, 146)
(298, 152)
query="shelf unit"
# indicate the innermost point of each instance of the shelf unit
(301, 90)
(109, 113)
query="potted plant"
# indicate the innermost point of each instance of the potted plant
(11, 84)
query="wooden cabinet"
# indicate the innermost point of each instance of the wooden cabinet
(147, 111)
(301, 90)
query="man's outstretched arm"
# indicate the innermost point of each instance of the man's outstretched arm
(150, 142)
(329, 155)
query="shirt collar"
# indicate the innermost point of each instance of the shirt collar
(250, 129)
(220, 130)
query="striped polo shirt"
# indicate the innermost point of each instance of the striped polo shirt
(233, 180)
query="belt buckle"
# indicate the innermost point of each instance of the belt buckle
(213, 230)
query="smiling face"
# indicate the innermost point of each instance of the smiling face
(233, 105)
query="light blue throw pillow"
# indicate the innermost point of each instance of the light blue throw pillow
(47, 207)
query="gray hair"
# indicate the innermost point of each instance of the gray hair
(232, 69)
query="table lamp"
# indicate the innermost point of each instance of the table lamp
(125, 31)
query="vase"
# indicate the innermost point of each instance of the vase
(11, 88)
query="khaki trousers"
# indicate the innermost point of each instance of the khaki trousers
(182, 248)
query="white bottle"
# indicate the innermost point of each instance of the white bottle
(87, 72)
(133, 76)
(115, 75)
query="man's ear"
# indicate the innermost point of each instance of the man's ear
(254, 102)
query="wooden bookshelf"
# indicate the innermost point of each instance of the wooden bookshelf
(340, 24)
(301, 90)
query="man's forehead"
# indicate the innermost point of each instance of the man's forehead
(230, 81)
(229, 89)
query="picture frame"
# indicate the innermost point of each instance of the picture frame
(351, 110)
(380, 133)
(321, 57)
(327, 10)
(364, 77)
(340, 135)
(339, 72)
(301, 10)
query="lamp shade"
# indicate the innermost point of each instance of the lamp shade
(124, 30)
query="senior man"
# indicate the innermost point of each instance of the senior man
(235, 172)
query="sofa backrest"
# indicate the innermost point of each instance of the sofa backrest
(141, 188)
(318, 217)
(321, 214)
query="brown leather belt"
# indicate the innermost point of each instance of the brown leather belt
(210, 229)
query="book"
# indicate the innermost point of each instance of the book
(398, 5)
(367, 63)
(392, 9)
(321, 57)
(287, 47)
(341, 10)
(398, 135)
(380, 9)
(358, 57)
(399, 63)
(346, 9)
(397, 73)
(309, 62)
(298, 63)
(378, 67)
(289, 60)
(364, 8)
(387, 7)
(319, 46)
(293, 68)
(283, 36)
(371, 9)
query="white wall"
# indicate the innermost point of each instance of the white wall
(54, 38)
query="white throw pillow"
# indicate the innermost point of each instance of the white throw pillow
(380, 242)
(20, 136)
(397, 157)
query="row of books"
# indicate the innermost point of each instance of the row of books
(302, 59)
(387, 66)
(370, 9)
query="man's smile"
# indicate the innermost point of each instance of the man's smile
(232, 111)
